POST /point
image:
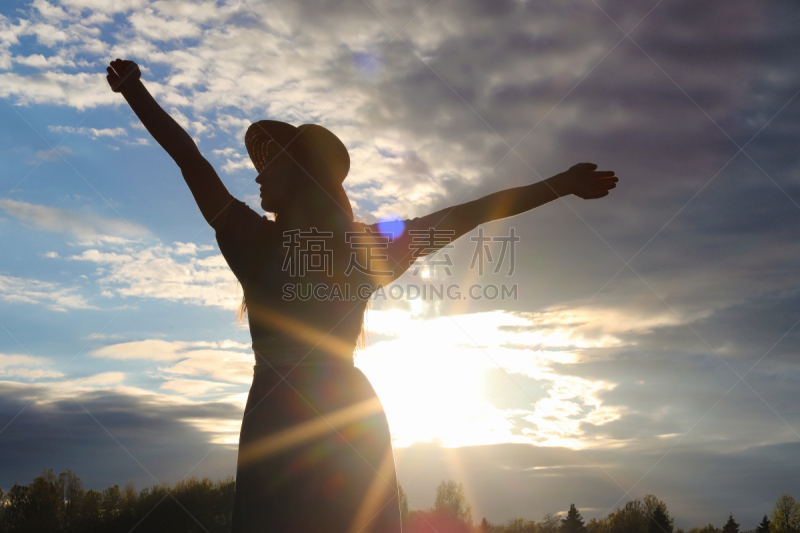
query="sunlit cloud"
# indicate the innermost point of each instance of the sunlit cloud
(86, 226)
(175, 273)
(32, 291)
(193, 387)
(26, 367)
(93, 132)
(151, 349)
(485, 378)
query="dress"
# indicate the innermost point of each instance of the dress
(315, 450)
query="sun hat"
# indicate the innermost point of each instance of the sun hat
(322, 141)
(303, 142)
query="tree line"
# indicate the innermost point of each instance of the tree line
(452, 514)
(60, 504)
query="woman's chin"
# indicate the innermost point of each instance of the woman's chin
(268, 206)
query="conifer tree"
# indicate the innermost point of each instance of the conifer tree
(660, 522)
(763, 527)
(730, 526)
(573, 522)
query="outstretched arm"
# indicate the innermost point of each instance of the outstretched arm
(209, 192)
(582, 180)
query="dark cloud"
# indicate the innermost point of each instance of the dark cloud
(700, 485)
(121, 437)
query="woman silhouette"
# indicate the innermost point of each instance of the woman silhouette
(315, 451)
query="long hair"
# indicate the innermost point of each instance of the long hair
(343, 210)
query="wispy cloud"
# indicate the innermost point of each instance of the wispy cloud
(173, 273)
(226, 361)
(87, 226)
(26, 368)
(53, 154)
(32, 291)
(93, 132)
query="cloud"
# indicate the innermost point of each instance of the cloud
(48, 10)
(81, 90)
(223, 361)
(174, 273)
(108, 437)
(32, 291)
(94, 132)
(86, 226)
(483, 378)
(515, 480)
(222, 365)
(27, 368)
(194, 387)
(40, 61)
(53, 154)
(151, 349)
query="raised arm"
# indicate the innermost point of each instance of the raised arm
(582, 180)
(209, 192)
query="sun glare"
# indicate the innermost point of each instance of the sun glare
(482, 378)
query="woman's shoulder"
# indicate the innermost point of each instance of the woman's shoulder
(238, 217)
(244, 238)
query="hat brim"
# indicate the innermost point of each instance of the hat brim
(303, 142)
(308, 140)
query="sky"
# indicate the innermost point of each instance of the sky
(650, 344)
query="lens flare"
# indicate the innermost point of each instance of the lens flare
(392, 227)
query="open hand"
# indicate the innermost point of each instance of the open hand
(122, 73)
(585, 181)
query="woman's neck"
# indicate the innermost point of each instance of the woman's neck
(302, 216)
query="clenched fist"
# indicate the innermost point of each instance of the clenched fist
(121, 74)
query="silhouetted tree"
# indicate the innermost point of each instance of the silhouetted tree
(710, 528)
(14, 509)
(59, 504)
(403, 504)
(40, 506)
(597, 525)
(660, 521)
(763, 527)
(450, 501)
(71, 488)
(550, 523)
(573, 522)
(520, 525)
(632, 518)
(785, 515)
(90, 511)
(730, 526)
(450, 513)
